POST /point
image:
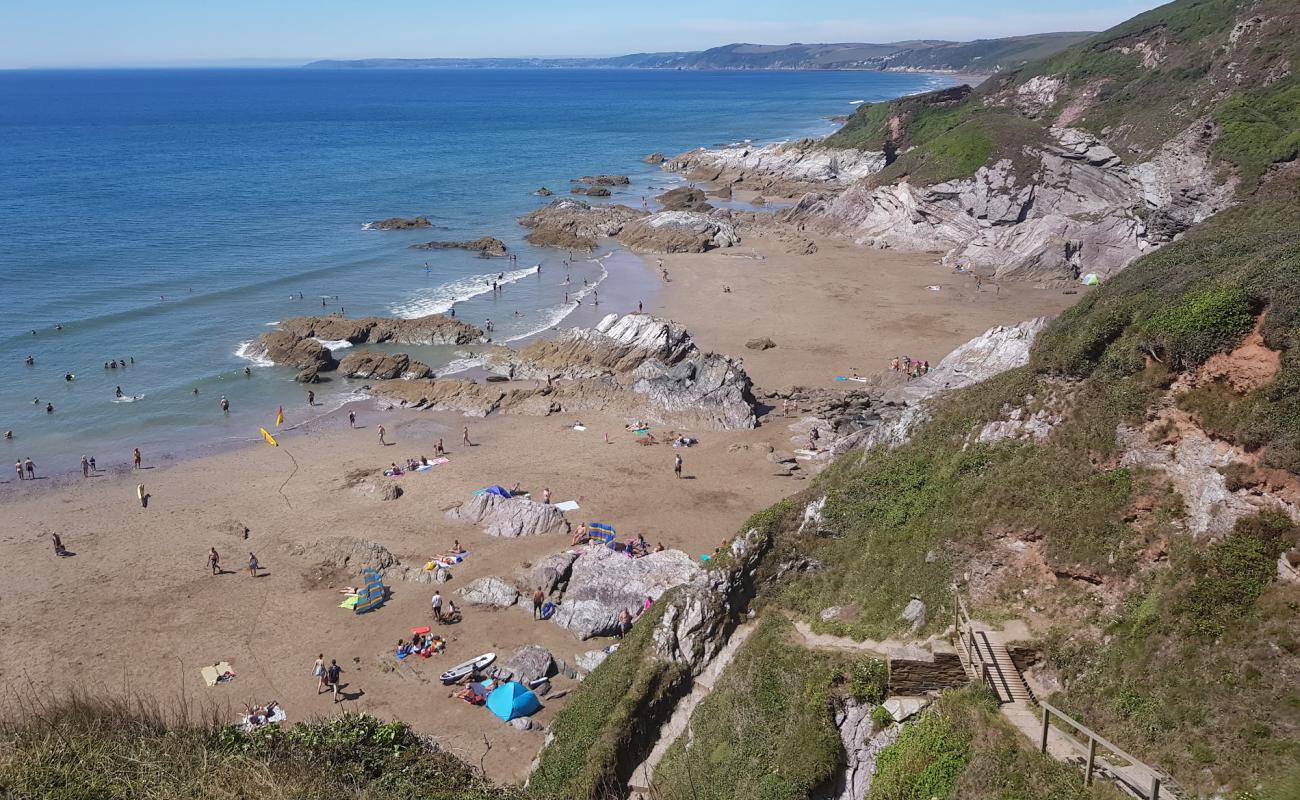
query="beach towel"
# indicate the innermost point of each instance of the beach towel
(579, 427)
(548, 608)
(567, 505)
(220, 672)
(351, 603)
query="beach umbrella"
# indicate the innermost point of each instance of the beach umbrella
(513, 699)
(371, 595)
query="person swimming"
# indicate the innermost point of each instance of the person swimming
(118, 391)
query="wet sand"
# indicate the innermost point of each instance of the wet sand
(136, 608)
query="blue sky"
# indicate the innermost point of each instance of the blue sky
(35, 33)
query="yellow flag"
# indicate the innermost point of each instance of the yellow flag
(279, 417)
(268, 437)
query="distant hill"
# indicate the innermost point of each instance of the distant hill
(984, 55)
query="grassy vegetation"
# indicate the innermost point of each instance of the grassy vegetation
(961, 748)
(899, 515)
(110, 749)
(602, 725)
(767, 730)
(1194, 298)
(1260, 128)
(1198, 671)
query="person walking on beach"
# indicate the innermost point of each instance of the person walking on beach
(546, 496)
(352, 419)
(539, 597)
(214, 561)
(318, 671)
(436, 603)
(438, 449)
(59, 549)
(311, 397)
(85, 466)
(381, 435)
(253, 566)
(225, 405)
(333, 674)
(31, 468)
(677, 465)
(640, 307)
(142, 494)
(135, 459)
(464, 435)
(18, 467)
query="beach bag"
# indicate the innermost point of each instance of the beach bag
(548, 609)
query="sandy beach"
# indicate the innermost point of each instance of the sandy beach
(137, 609)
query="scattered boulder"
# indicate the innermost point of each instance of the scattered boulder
(723, 193)
(522, 724)
(529, 663)
(914, 614)
(761, 343)
(490, 591)
(901, 708)
(684, 198)
(678, 232)
(591, 191)
(379, 489)
(399, 224)
(543, 192)
(308, 375)
(604, 583)
(655, 158)
(759, 200)
(369, 365)
(510, 517)
(488, 245)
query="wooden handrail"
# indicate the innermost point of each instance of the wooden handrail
(1094, 739)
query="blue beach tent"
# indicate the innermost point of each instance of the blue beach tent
(499, 491)
(371, 595)
(510, 700)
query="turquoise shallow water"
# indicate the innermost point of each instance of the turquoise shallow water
(169, 216)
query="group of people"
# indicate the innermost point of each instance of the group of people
(911, 367)
(328, 678)
(214, 563)
(444, 615)
(26, 469)
(421, 644)
(115, 363)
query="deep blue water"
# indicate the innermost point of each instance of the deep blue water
(168, 216)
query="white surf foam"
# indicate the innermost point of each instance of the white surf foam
(856, 102)
(461, 365)
(246, 351)
(334, 344)
(551, 316)
(440, 299)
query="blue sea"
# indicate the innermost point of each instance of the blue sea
(167, 217)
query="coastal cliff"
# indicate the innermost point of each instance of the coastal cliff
(1077, 164)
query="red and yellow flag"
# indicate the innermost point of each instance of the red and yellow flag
(279, 417)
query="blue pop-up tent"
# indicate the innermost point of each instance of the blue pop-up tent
(499, 491)
(513, 699)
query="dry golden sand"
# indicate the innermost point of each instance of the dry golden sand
(136, 608)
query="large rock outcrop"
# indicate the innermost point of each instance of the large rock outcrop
(290, 350)
(368, 365)
(399, 224)
(654, 358)
(490, 591)
(426, 330)
(699, 618)
(603, 583)
(783, 169)
(685, 198)
(571, 224)
(488, 245)
(1075, 208)
(510, 517)
(678, 232)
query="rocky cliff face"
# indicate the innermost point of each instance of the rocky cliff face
(678, 232)
(784, 169)
(1079, 208)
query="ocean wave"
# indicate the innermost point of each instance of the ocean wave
(440, 299)
(334, 344)
(554, 315)
(856, 102)
(246, 351)
(461, 364)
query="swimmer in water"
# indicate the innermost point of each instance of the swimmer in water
(69, 377)
(119, 391)
(248, 373)
(49, 408)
